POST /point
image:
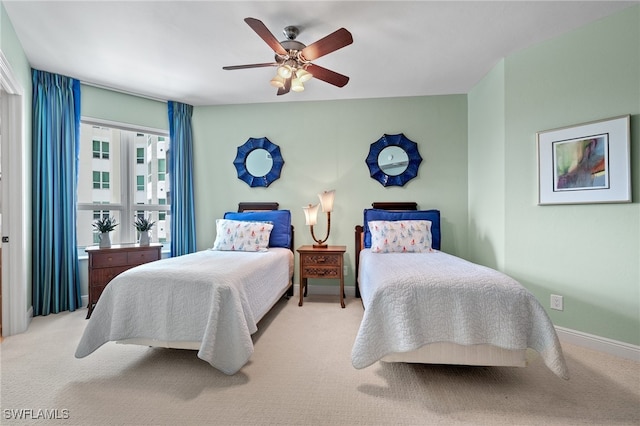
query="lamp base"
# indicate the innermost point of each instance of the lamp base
(320, 246)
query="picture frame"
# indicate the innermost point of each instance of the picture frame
(585, 163)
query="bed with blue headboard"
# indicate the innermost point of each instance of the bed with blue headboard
(211, 300)
(422, 305)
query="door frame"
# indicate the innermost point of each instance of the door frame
(17, 311)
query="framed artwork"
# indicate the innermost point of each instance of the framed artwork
(586, 163)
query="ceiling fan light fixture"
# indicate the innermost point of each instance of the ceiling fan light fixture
(296, 85)
(285, 71)
(303, 75)
(293, 58)
(277, 81)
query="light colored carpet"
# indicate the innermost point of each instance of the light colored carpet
(300, 374)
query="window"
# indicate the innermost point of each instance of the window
(122, 173)
(100, 149)
(105, 180)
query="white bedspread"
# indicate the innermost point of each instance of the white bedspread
(412, 300)
(214, 297)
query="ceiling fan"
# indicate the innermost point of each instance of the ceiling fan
(293, 59)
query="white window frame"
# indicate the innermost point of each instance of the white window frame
(128, 182)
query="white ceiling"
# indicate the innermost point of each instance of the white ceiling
(176, 49)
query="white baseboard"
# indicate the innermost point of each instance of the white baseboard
(84, 300)
(600, 344)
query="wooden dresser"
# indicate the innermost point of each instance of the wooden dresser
(107, 263)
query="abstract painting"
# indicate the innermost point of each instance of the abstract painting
(587, 163)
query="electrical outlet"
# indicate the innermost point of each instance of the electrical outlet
(557, 303)
(346, 271)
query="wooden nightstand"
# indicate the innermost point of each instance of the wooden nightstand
(106, 263)
(321, 263)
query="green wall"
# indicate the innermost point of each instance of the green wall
(324, 146)
(486, 170)
(590, 254)
(123, 108)
(12, 50)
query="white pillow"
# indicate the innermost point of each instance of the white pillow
(236, 235)
(400, 236)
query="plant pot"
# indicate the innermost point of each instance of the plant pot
(105, 240)
(144, 238)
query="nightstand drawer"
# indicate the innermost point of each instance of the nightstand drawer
(322, 259)
(320, 272)
(107, 260)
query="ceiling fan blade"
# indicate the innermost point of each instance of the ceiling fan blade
(241, 67)
(287, 86)
(329, 76)
(334, 41)
(264, 33)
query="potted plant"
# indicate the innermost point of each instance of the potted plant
(105, 225)
(143, 225)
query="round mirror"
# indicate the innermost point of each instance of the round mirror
(259, 162)
(393, 160)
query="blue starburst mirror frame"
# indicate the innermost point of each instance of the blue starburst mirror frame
(258, 162)
(393, 160)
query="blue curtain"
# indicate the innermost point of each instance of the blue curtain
(183, 228)
(56, 138)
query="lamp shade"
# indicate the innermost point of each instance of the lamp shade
(284, 71)
(311, 214)
(303, 75)
(326, 200)
(296, 85)
(277, 81)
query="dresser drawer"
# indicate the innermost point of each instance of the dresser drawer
(101, 277)
(96, 292)
(139, 257)
(107, 260)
